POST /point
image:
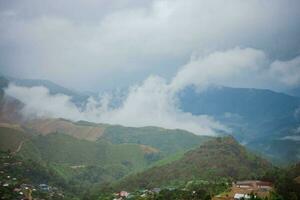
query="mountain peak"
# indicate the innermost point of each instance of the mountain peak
(220, 157)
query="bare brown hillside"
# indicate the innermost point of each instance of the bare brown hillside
(47, 126)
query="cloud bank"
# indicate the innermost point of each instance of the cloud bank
(154, 102)
(149, 104)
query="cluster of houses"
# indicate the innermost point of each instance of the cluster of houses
(18, 187)
(244, 190)
(142, 193)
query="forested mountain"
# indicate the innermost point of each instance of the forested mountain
(264, 120)
(93, 153)
(166, 140)
(218, 158)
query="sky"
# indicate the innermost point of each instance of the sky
(155, 48)
(93, 45)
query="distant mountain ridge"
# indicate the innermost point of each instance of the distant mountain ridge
(294, 92)
(259, 118)
(53, 88)
(249, 103)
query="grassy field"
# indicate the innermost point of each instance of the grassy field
(11, 139)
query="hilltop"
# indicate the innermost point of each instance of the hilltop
(218, 158)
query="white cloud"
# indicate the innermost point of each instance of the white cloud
(39, 103)
(153, 102)
(100, 41)
(287, 72)
(149, 104)
(226, 67)
(238, 67)
(293, 138)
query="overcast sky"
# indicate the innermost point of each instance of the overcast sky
(103, 44)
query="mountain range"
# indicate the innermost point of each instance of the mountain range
(263, 131)
(265, 121)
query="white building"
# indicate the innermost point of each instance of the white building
(239, 196)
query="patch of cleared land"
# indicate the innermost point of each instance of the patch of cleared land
(47, 126)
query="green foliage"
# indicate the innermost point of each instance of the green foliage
(177, 194)
(16, 172)
(84, 163)
(10, 139)
(169, 159)
(284, 182)
(65, 149)
(166, 140)
(194, 190)
(222, 157)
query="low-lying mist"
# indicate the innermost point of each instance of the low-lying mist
(154, 101)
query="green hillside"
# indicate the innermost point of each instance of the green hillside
(87, 162)
(166, 140)
(221, 157)
(65, 149)
(119, 152)
(11, 139)
(23, 174)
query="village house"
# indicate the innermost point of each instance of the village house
(238, 196)
(121, 195)
(156, 190)
(243, 189)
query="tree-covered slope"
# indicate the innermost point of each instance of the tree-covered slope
(222, 157)
(84, 163)
(11, 139)
(65, 149)
(166, 140)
